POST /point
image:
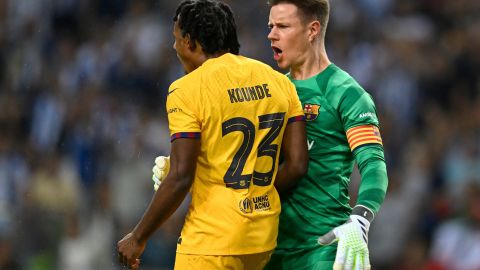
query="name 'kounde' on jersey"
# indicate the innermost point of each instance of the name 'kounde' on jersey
(239, 108)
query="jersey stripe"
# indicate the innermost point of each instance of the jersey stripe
(296, 118)
(194, 135)
(362, 135)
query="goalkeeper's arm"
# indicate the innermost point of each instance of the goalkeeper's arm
(373, 170)
(352, 237)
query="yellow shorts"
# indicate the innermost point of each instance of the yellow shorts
(235, 262)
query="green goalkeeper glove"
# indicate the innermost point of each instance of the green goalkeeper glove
(352, 237)
(160, 170)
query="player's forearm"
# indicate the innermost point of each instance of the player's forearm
(372, 167)
(166, 200)
(295, 154)
(288, 175)
(172, 191)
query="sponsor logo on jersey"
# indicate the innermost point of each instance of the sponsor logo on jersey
(245, 206)
(171, 91)
(311, 111)
(261, 203)
(367, 114)
(174, 110)
(310, 144)
(257, 203)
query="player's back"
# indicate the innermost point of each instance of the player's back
(239, 108)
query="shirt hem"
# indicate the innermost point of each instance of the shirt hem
(222, 252)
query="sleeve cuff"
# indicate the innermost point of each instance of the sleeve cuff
(364, 212)
(296, 118)
(191, 135)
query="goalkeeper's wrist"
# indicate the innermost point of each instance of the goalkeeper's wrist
(364, 212)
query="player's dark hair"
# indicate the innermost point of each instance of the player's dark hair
(209, 22)
(311, 10)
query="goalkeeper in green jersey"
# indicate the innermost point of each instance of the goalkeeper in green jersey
(318, 228)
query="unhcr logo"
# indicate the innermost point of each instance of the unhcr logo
(245, 206)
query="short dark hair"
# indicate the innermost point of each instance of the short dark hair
(209, 22)
(311, 9)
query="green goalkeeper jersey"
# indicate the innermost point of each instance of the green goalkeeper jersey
(341, 121)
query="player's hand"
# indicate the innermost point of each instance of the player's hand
(352, 237)
(160, 170)
(129, 251)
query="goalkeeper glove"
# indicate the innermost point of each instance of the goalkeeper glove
(352, 237)
(160, 170)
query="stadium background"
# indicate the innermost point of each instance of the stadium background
(82, 98)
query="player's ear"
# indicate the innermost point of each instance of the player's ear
(191, 44)
(314, 28)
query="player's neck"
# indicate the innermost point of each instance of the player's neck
(204, 57)
(215, 55)
(199, 56)
(315, 61)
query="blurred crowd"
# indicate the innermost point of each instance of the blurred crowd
(82, 116)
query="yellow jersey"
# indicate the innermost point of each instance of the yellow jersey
(238, 107)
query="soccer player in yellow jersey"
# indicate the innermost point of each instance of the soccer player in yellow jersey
(229, 118)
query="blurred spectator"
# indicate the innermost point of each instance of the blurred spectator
(74, 250)
(395, 223)
(88, 242)
(54, 185)
(14, 173)
(456, 244)
(8, 259)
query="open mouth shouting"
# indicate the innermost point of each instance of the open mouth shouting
(277, 53)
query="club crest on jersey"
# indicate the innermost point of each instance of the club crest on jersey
(246, 206)
(311, 111)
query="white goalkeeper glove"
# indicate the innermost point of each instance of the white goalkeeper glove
(352, 237)
(160, 170)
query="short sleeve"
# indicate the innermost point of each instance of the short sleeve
(183, 121)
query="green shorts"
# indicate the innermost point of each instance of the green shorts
(318, 258)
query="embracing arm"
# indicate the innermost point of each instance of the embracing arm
(295, 156)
